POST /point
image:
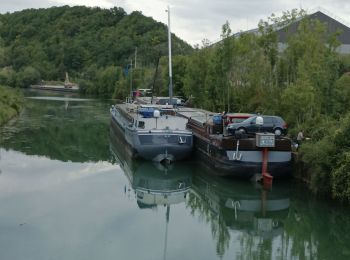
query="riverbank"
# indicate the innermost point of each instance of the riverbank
(324, 163)
(11, 103)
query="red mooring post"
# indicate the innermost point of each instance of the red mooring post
(267, 178)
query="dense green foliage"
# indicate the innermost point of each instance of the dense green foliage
(89, 43)
(11, 102)
(305, 83)
(328, 159)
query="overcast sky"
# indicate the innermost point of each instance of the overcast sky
(195, 20)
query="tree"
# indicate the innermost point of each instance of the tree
(106, 80)
(27, 76)
(75, 39)
(196, 71)
(342, 94)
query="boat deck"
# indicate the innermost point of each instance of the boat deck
(201, 116)
(165, 121)
(201, 123)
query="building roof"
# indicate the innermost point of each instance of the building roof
(333, 25)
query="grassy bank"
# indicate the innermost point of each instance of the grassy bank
(11, 103)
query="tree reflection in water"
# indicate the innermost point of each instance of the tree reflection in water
(48, 127)
(233, 205)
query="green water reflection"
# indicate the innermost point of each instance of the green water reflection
(238, 207)
(69, 189)
(62, 128)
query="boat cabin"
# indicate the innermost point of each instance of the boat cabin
(150, 117)
(237, 117)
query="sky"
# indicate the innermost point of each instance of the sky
(195, 20)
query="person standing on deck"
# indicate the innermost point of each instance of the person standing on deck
(224, 118)
(300, 137)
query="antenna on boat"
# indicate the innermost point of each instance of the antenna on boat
(131, 80)
(170, 67)
(0, 150)
(135, 56)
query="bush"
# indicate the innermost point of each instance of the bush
(319, 158)
(27, 76)
(7, 77)
(328, 158)
(11, 102)
(341, 178)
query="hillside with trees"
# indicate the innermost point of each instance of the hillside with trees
(93, 45)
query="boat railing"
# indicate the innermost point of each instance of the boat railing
(124, 113)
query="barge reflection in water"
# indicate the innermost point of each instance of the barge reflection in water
(154, 184)
(231, 205)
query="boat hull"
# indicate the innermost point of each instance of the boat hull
(248, 164)
(155, 145)
(166, 152)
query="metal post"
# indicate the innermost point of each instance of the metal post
(267, 178)
(265, 158)
(131, 80)
(135, 56)
(170, 67)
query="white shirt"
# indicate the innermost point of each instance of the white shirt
(300, 136)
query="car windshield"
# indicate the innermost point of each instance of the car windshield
(248, 120)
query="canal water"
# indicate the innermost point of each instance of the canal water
(69, 190)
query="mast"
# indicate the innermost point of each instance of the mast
(66, 81)
(131, 96)
(167, 215)
(135, 56)
(170, 67)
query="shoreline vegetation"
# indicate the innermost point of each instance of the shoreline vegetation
(11, 103)
(307, 83)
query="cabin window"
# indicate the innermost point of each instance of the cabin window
(141, 124)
